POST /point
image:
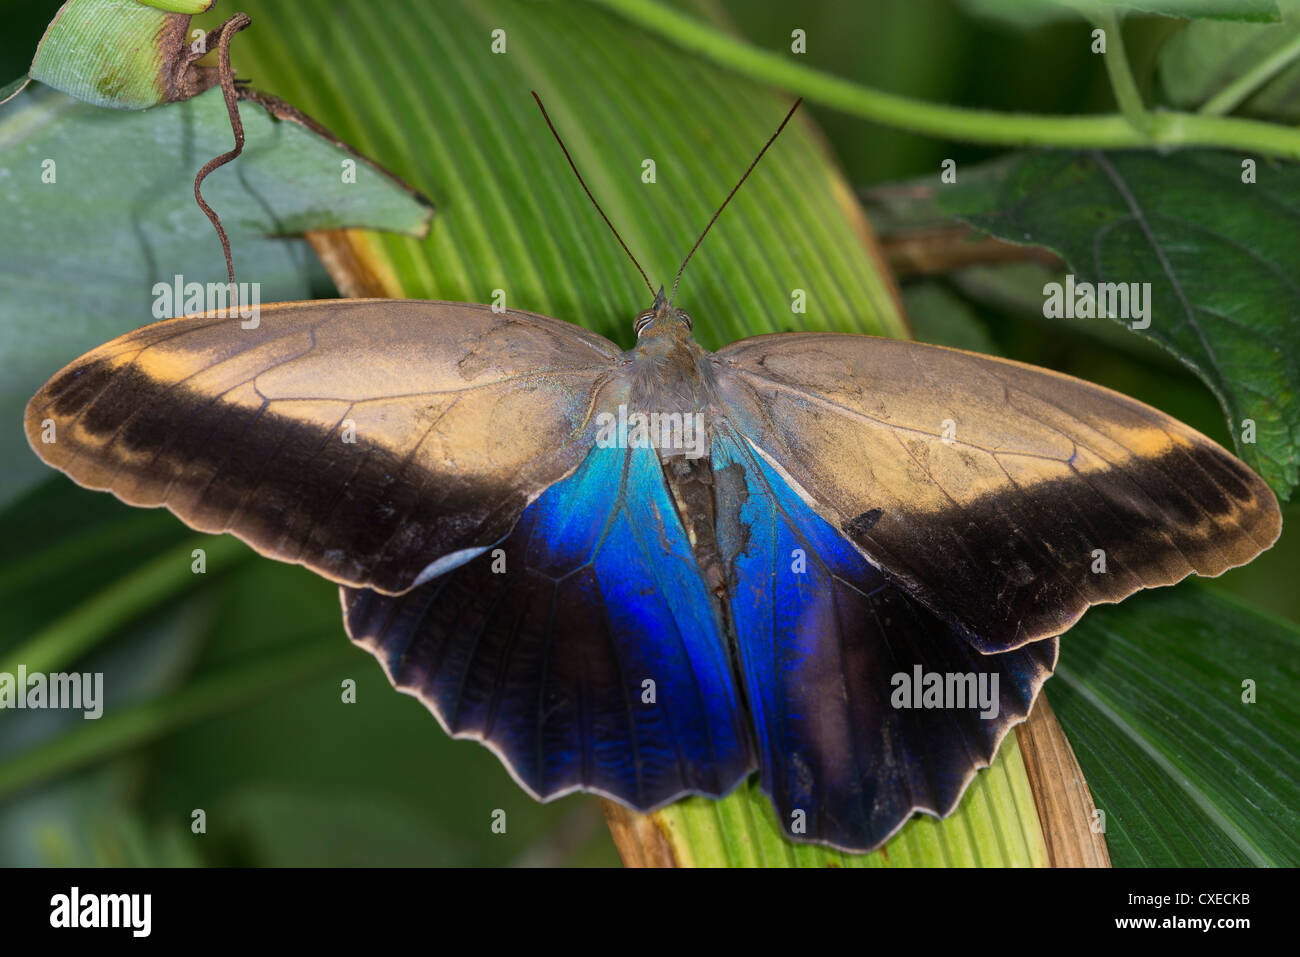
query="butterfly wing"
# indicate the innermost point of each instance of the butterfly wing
(1003, 497)
(584, 650)
(363, 439)
(835, 659)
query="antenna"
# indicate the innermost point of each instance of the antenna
(583, 183)
(770, 141)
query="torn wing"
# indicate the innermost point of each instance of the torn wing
(365, 439)
(1004, 497)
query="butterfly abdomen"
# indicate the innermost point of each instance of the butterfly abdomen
(690, 481)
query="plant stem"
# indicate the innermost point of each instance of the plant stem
(1109, 131)
(1121, 77)
(63, 640)
(1232, 95)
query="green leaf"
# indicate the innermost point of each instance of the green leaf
(1182, 223)
(131, 726)
(942, 317)
(1186, 772)
(99, 207)
(1247, 68)
(111, 53)
(10, 90)
(181, 6)
(1034, 12)
(514, 219)
(996, 825)
(419, 85)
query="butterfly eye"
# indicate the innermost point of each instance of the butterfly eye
(641, 321)
(685, 317)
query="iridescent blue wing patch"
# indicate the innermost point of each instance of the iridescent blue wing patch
(583, 649)
(837, 662)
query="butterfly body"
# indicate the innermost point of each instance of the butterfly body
(648, 611)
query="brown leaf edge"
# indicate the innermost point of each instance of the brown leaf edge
(1065, 806)
(918, 239)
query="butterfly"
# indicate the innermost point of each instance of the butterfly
(652, 573)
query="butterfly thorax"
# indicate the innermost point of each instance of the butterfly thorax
(666, 382)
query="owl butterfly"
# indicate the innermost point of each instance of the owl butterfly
(650, 573)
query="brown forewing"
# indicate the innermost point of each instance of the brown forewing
(363, 439)
(993, 490)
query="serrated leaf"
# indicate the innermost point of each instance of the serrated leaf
(99, 207)
(1221, 256)
(1187, 772)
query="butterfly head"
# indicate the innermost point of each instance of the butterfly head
(662, 317)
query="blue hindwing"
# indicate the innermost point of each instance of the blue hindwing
(583, 648)
(845, 752)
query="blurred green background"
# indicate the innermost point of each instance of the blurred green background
(284, 780)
